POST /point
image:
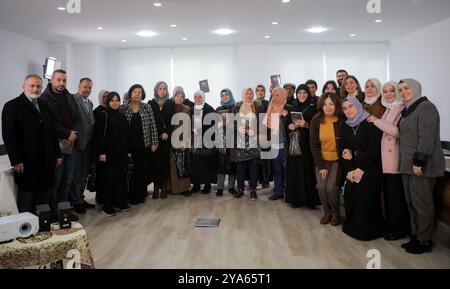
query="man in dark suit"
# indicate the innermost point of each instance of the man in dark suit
(32, 145)
(83, 145)
(66, 122)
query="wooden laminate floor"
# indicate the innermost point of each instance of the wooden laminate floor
(252, 234)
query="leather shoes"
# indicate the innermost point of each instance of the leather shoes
(325, 220)
(335, 220)
(275, 197)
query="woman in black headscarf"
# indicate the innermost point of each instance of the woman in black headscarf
(163, 109)
(300, 176)
(111, 150)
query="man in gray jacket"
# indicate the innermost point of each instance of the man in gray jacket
(83, 145)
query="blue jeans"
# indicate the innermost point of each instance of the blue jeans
(278, 171)
(63, 180)
(241, 169)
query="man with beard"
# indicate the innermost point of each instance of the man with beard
(66, 123)
(340, 75)
(32, 145)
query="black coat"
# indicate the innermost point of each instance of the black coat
(110, 137)
(30, 139)
(163, 117)
(62, 132)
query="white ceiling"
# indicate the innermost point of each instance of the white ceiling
(196, 19)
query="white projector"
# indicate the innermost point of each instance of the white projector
(18, 226)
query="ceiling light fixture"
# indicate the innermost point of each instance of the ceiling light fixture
(352, 35)
(184, 38)
(157, 4)
(99, 28)
(173, 25)
(124, 41)
(316, 30)
(378, 21)
(275, 23)
(223, 31)
(146, 33)
(285, 1)
(61, 8)
(267, 36)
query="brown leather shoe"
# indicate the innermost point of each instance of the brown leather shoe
(325, 220)
(335, 220)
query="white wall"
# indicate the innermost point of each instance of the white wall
(239, 66)
(19, 56)
(425, 55)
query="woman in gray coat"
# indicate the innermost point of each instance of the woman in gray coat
(421, 162)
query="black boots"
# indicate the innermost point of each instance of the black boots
(414, 246)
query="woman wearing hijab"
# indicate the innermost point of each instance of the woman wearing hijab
(264, 173)
(111, 150)
(325, 133)
(179, 158)
(372, 101)
(396, 210)
(203, 160)
(163, 109)
(421, 162)
(277, 119)
(247, 151)
(351, 87)
(362, 168)
(224, 164)
(143, 141)
(97, 111)
(300, 174)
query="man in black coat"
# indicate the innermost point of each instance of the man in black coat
(67, 124)
(32, 145)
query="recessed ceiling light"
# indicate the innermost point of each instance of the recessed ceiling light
(285, 1)
(223, 31)
(173, 25)
(378, 21)
(146, 33)
(61, 8)
(352, 35)
(275, 23)
(267, 36)
(157, 4)
(124, 41)
(184, 38)
(99, 28)
(316, 29)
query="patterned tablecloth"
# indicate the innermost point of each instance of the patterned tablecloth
(44, 249)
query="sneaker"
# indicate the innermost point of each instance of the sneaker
(88, 206)
(259, 187)
(253, 196)
(108, 212)
(80, 209)
(219, 193)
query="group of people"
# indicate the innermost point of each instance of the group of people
(382, 146)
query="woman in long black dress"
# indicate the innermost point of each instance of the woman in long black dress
(361, 154)
(300, 175)
(163, 109)
(203, 160)
(111, 150)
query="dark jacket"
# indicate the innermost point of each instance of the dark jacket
(30, 139)
(314, 130)
(50, 97)
(110, 137)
